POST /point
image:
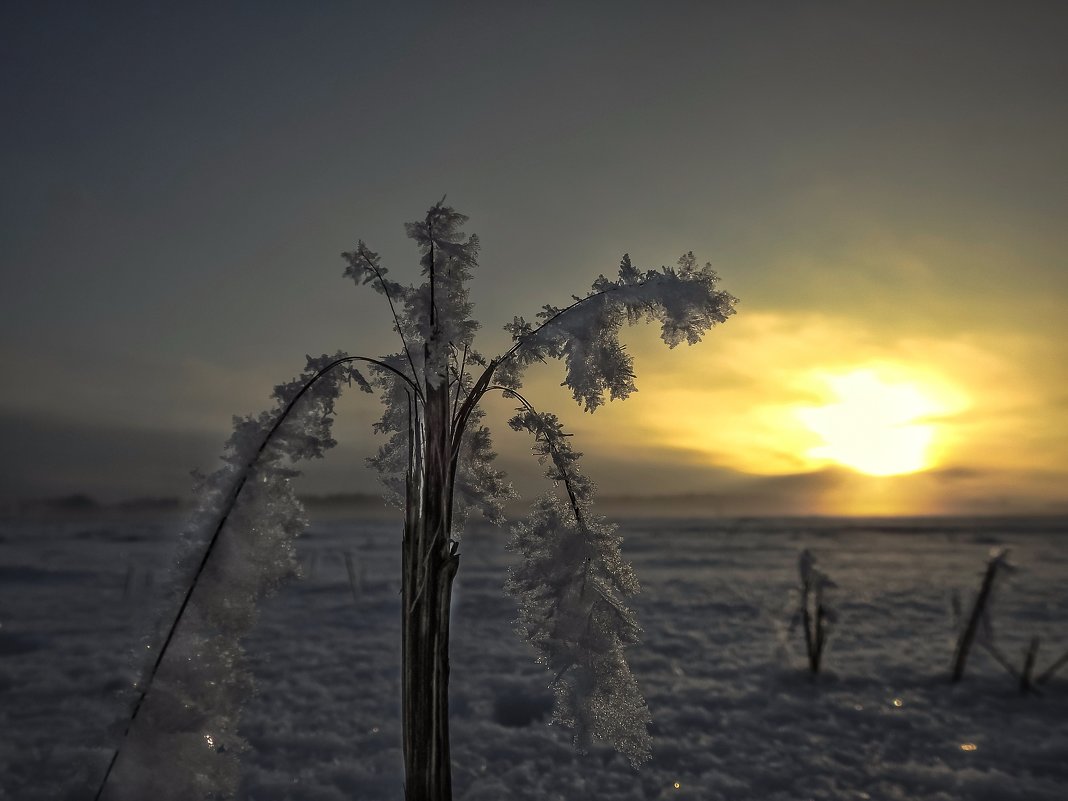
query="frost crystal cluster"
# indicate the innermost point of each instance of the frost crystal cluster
(437, 465)
(585, 334)
(183, 742)
(570, 587)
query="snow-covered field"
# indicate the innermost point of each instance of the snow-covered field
(735, 715)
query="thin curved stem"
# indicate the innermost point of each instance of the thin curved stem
(433, 256)
(463, 414)
(575, 508)
(311, 381)
(396, 319)
(522, 340)
(460, 380)
(231, 503)
(563, 473)
(473, 397)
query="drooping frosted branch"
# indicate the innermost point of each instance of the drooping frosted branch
(570, 586)
(184, 743)
(684, 300)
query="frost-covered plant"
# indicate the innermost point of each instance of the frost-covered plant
(813, 615)
(570, 585)
(181, 741)
(437, 465)
(979, 624)
(979, 629)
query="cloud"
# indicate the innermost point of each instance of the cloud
(720, 418)
(728, 407)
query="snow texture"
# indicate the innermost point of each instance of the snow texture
(735, 714)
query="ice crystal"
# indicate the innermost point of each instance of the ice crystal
(184, 742)
(570, 586)
(684, 300)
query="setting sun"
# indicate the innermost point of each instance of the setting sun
(874, 426)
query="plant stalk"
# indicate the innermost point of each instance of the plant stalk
(967, 637)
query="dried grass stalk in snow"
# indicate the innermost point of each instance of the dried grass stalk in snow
(437, 464)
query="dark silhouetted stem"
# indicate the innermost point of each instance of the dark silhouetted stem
(964, 644)
(396, 319)
(821, 631)
(429, 565)
(806, 624)
(1026, 684)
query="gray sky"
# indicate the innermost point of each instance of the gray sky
(179, 180)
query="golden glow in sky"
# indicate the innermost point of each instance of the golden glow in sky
(828, 415)
(873, 425)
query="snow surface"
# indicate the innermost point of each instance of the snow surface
(734, 714)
